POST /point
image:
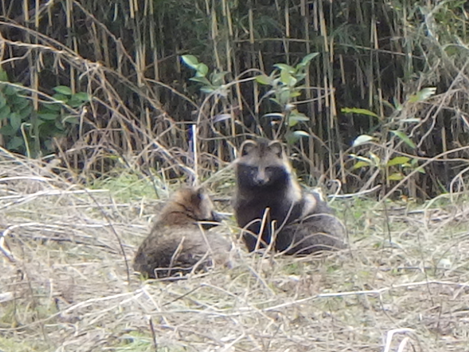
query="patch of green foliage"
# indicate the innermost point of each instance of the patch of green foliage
(18, 313)
(284, 86)
(31, 132)
(7, 344)
(128, 186)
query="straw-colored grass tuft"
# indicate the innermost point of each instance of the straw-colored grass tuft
(66, 282)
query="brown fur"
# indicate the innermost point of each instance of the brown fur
(177, 242)
(266, 188)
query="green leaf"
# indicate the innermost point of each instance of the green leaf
(18, 102)
(47, 116)
(301, 133)
(7, 130)
(191, 61)
(359, 111)
(3, 75)
(414, 164)
(423, 95)
(82, 96)
(285, 67)
(207, 90)
(202, 70)
(74, 102)
(25, 113)
(284, 97)
(48, 107)
(306, 60)
(300, 76)
(274, 115)
(74, 120)
(293, 137)
(5, 112)
(60, 97)
(360, 164)
(218, 78)
(290, 80)
(49, 146)
(286, 78)
(397, 105)
(276, 101)
(63, 90)
(404, 138)
(395, 177)
(15, 143)
(40, 122)
(362, 140)
(264, 79)
(398, 160)
(202, 80)
(296, 117)
(59, 127)
(9, 91)
(15, 121)
(375, 159)
(362, 158)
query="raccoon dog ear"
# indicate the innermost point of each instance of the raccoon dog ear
(276, 147)
(247, 147)
(198, 195)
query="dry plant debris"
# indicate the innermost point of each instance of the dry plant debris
(65, 286)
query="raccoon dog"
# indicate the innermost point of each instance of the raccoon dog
(177, 242)
(301, 222)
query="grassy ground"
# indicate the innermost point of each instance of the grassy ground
(402, 286)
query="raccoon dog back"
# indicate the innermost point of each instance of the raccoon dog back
(266, 188)
(177, 242)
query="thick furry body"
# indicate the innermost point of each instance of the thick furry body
(177, 242)
(266, 188)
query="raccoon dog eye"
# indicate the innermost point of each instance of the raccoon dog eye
(253, 170)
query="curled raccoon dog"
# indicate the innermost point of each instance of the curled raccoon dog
(270, 205)
(178, 242)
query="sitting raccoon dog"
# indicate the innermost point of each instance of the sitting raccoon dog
(177, 242)
(266, 187)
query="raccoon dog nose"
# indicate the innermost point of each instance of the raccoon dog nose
(260, 181)
(216, 217)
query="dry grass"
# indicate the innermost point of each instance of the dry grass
(67, 288)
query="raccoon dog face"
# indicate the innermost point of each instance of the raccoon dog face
(262, 164)
(197, 205)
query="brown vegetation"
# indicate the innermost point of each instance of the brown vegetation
(403, 281)
(373, 56)
(104, 86)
